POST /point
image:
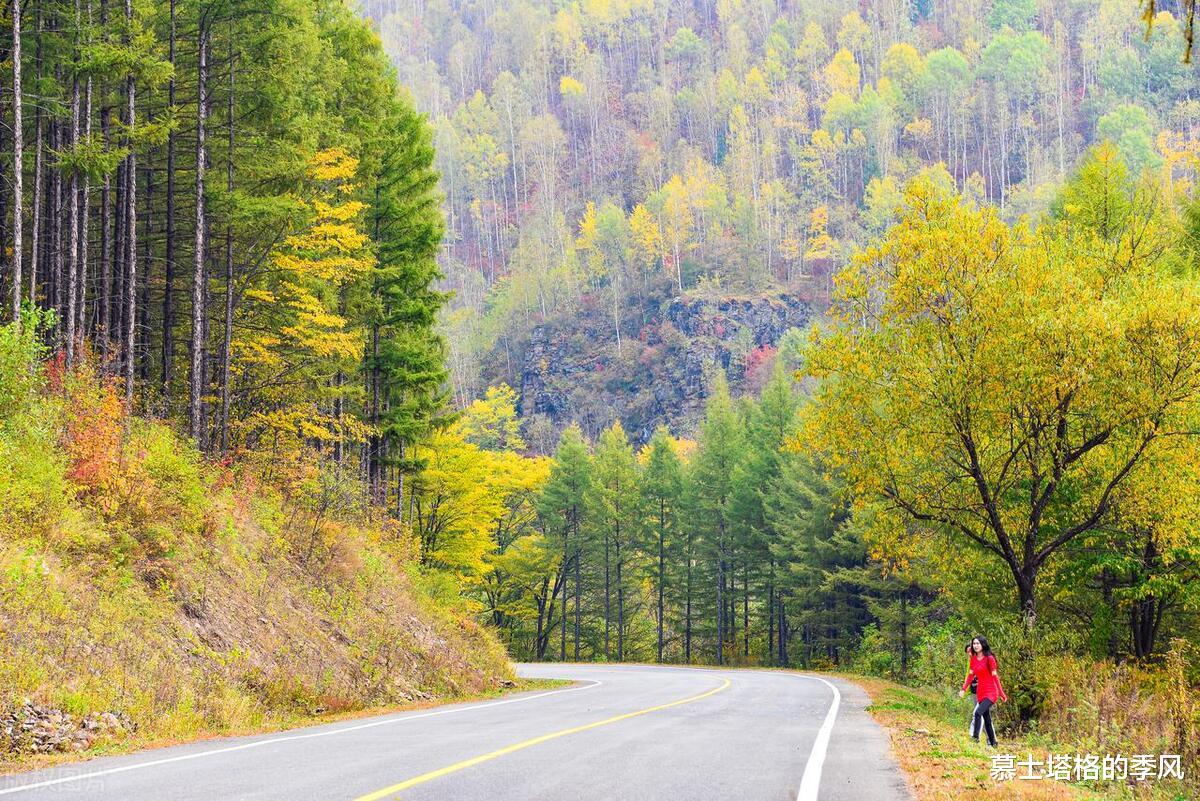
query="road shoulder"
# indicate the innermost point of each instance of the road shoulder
(861, 764)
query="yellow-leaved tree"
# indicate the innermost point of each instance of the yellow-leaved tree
(647, 238)
(997, 390)
(474, 496)
(296, 344)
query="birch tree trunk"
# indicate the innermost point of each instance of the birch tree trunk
(168, 308)
(18, 160)
(196, 388)
(131, 227)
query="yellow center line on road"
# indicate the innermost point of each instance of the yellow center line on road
(386, 792)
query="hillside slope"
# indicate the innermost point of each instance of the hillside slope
(150, 596)
(606, 148)
(573, 372)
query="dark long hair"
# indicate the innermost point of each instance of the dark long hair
(987, 649)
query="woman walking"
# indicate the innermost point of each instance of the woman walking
(982, 670)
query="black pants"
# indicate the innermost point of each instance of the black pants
(983, 718)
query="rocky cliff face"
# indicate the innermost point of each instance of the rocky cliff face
(573, 370)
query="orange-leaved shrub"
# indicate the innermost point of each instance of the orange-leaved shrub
(142, 486)
(93, 426)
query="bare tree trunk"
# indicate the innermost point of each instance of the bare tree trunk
(198, 277)
(73, 200)
(111, 264)
(36, 215)
(375, 444)
(746, 609)
(662, 568)
(56, 238)
(620, 603)
(144, 333)
(168, 309)
(131, 227)
(607, 596)
(18, 160)
(566, 565)
(228, 341)
(721, 610)
(84, 215)
(400, 482)
(771, 620)
(578, 581)
(783, 634)
(118, 265)
(106, 225)
(687, 615)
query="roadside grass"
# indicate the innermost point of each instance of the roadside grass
(201, 599)
(931, 743)
(25, 764)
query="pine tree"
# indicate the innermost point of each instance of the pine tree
(719, 452)
(613, 517)
(770, 424)
(816, 540)
(406, 362)
(563, 507)
(661, 497)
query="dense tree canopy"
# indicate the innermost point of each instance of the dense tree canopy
(233, 206)
(1003, 385)
(608, 155)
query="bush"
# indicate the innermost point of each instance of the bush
(873, 655)
(33, 488)
(20, 354)
(33, 492)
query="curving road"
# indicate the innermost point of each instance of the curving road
(620, 733)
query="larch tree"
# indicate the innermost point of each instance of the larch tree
(612, 512)
(563, 508)
(720, 449)
(661, 490)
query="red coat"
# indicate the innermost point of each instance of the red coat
(982, 668)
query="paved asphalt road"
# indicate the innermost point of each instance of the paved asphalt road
(621, 733)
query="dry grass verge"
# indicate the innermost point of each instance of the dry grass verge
(931, 743)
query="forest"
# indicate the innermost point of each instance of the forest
(598, 157)
(252, 256)
(271, 270)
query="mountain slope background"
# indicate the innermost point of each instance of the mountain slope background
(602, 159)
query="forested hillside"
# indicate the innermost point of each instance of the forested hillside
(600, 157)
(233, 207)
(218, 231)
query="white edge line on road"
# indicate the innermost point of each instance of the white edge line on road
(810, 782)
(270, 741)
